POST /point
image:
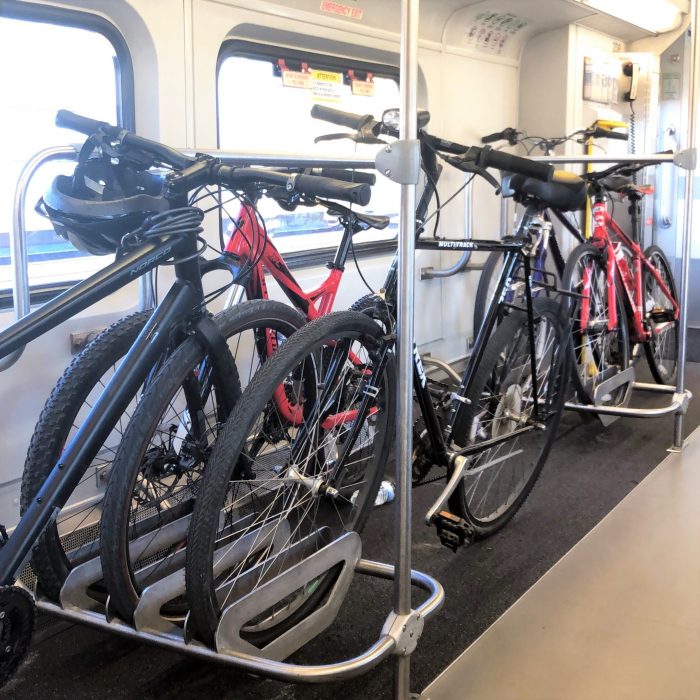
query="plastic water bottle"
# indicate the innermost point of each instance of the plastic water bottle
(385, 494)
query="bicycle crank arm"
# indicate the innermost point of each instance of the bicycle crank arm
(461, 463)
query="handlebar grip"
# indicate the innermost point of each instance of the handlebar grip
(69, 120)
(515, 164)
(492, 138)
(346, 175)
(600, 132)
(336, 116)
(356, 193)
(162, 153)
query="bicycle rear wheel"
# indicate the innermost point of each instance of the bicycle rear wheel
(662, 348)
(159, 463)
(597, 352)
(277, 490)
(502, 400)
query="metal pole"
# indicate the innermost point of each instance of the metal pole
(406, 278)
(688, 222)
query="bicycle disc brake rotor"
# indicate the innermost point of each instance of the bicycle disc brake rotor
(16, 627)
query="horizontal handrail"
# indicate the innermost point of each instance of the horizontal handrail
(428, 273)
(18, 239)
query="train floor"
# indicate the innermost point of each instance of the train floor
(590, 470)
(617, 617)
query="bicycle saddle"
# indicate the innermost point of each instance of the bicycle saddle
(624, 185)
(564, 196)
(371, 221)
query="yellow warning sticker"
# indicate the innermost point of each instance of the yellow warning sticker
(326, 85)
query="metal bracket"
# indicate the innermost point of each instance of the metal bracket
(400, 161)
(686, 159)
(682, 399)
(405, 630)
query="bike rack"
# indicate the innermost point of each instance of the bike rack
(152, 627)
(681, 396)
(404, 625)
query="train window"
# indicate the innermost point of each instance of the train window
(49, 65)
(261, 108)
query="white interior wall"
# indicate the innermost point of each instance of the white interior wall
(174, 47)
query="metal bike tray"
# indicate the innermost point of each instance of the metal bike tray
(74, 591)
(346, 551)
(626, 377)
(147, 616)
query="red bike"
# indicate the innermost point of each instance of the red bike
(256, 254)
(627, 297)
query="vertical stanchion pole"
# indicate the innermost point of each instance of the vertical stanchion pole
(688, 222)
(404, 341)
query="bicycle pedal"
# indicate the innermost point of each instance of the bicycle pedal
(454, 532)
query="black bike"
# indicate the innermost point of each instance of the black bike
(116, 202)
(287, 496)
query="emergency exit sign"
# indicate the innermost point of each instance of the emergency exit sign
(336, 8)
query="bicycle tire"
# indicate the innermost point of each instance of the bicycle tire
(50, 560)
(298, 359)
(486, 288)
(595, 356)
(498, 404)
(148, 468)
(657, 307)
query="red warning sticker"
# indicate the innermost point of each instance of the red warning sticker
(336, 8)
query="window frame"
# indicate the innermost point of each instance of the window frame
(125, 92)
(256, 50)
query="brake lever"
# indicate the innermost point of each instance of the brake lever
(467, 166)
(359, 137)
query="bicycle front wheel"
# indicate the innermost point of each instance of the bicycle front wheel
(159, 464)
(599, 350)
(662, 347)
(279, 488)
(505, 399)
(74, 535)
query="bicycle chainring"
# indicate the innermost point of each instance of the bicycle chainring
(16, 626)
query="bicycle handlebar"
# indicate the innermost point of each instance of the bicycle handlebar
(160, 152)
(311, 185)
(85, 125)
(489, 158)
(344, 185)
(346, 175)
(340, 118)
(600, 132)
(509, 134)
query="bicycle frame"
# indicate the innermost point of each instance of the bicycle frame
(250, 242)
(183, 301)
(631, 277)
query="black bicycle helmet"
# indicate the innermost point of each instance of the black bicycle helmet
(102, 202)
